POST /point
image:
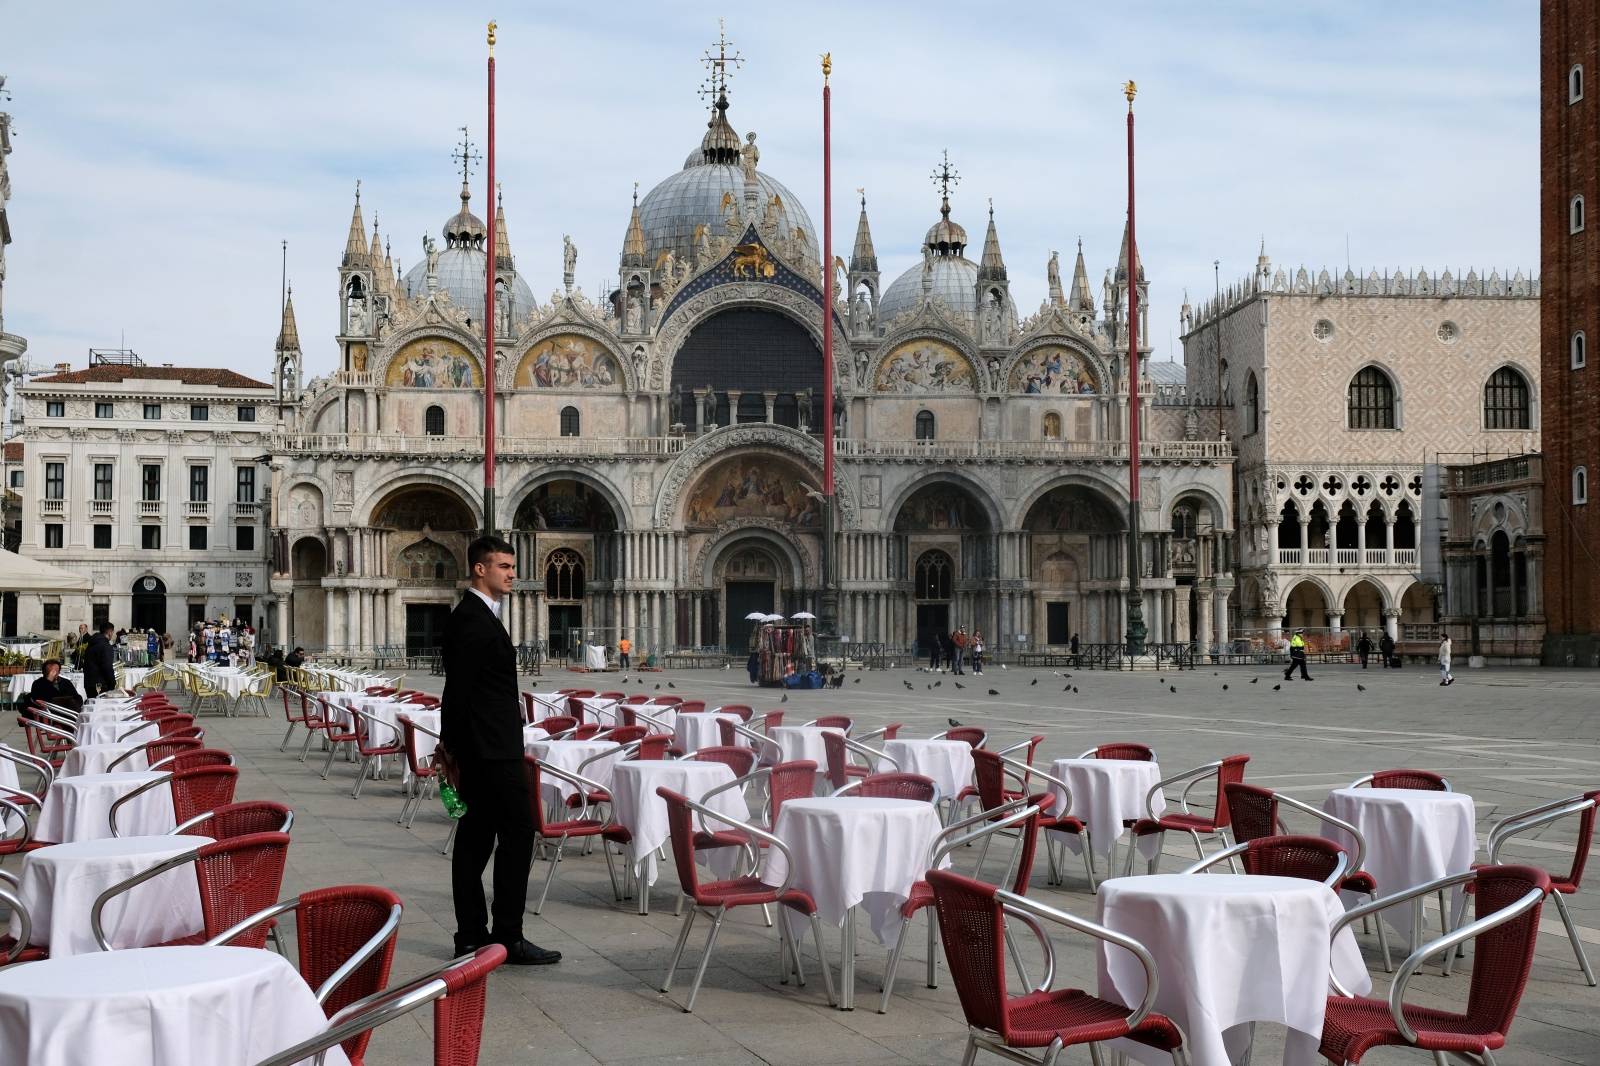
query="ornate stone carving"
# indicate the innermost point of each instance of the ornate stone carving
(344, 487)
(243, 579)
(642, 489)
(698, 456)
(197, 579)
(871, 490)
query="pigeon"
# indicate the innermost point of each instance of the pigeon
(994, 692)
(1276, 687)
(909, 687)
(958, 684)
(1172, 688)
(936, 684)
(1253, 680)
(1163, 681)
(1360, 687)
(671, 685)
(1067, 689)
(785, 698)
(1213, 673)
(953, 722)
(1074, 690)
(1002, 666)
(658, 688)
(1035, 681)
(1224, 687)
(930, 688)
(856, 681)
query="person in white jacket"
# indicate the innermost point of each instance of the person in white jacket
(1445, 676)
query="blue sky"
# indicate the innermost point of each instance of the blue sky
(163, 150)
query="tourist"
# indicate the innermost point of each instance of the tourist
(51, 687)
(100, 663)
(1297, 656)
(1073, 644)
(152, 647)
(958, 644)
(1445, 676)
(1363, 648)
(624, 648)
(297, 658)
(247, 646)
(977, 652)
(482, 734)
(1386, 650)
(194, 649)
(935, 646)
(166, 644)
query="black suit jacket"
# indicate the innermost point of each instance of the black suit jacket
(482, 708)
(99, 666)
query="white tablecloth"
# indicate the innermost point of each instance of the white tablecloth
(96, 758)
(566, 755)
(32, 651)
(1413, 836)
(21, 683)
(60, 885)
(594, 656)
(132, 675)
(948, 762)
(851, 850)
(634, 799)
(790, 743)
(1105, 792)
(600, 710)
(546, 704)
(105, 727)
(663, 716)
(1229, 950)
(228, 680)
(77, 808)
(157, 1007)
(700, 730)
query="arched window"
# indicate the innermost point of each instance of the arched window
(1052, 426)
(1183, 523)
(924, 425)
(563, 575)
(1371, 401)
(933, 576)
(1580, 484)
(569, 422)
(1579, 350)
(1505, 401)
(433, 421)
(1575, 83)
(1575, 215)
(1252, 404)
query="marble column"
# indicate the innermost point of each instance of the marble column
(1391, 622)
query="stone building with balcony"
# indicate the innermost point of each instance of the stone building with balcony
(148, 480)
(1494, 557)
(660, 446)
(1346, 397)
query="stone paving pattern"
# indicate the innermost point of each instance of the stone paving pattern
(1509, 738)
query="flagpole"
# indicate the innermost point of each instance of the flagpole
(828, 623)
(488, 319)
(1136, 627)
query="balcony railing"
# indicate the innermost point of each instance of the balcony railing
(197, 509)
(102, 508)
(149, 508)
(246, 510)
(471, 447)
(1515, 468)
(1377, 556)
(1289, 557)
(56, 507)
(1316, 556)
(1406, 557)
(1346, 557)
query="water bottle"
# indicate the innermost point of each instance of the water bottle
(453, 804)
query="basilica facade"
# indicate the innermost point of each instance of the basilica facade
(660, 446)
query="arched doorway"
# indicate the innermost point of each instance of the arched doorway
(429, 528)
(751, 583)
(1307, 607)
(1363, 611)
(149, 608)
(308, 565)
(567, 543)
(944, 548)
(1076, 545)
(563, 590)
(934, 581)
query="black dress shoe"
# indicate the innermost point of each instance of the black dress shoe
(523, 952)
(469, 945)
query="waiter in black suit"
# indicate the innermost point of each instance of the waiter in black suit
(100, 662)
(482, 729)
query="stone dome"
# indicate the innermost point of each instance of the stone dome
(461, 275)
(955, 282)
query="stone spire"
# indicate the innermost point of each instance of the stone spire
(1122, 259)
(380, 278)
(355, 245)
(863, 258)
(634, 253)
(1082, 299)
(288, 333)
(502, 242)
(992, 266)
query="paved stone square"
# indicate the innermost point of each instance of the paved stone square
(1509, 738)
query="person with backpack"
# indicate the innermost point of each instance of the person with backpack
(1386, 650)
(1363, 648)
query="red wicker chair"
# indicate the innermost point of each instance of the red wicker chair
(968, 734)
(989, 771)
(1509, 901)
(557, 723)
(653, 748)
(156, 750)
(345, 939)
(742, 710)
(785, 781)
(559, 832)
(717, 898)
(1305, 857)
(841, 771)
(832, 721)
(423, 775)
(1030, 747)
(771, 720)
(893, 786)
(1127, 750)
(375, 739)
(458, 992)
(193, 792)
(194, 758)
(740, 760)
(1226, 771)
(239, 819)
(1419, 780)
(972, 922)
(237, 878)
(296, 710)
(318, 713)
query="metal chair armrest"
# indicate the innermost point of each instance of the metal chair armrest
(363, 716)
(622, 750)
(42, 767)
(359, 959)
(982, 816)
(1021, 767)
(1358, 782)
(1211, 860)
(130, 753)
(873, 734)
(141, 727)
(364, 1015)
(128, 884)
(866, 751)
(111, 815)
(12, 809)
(19, 910)
(942, 846)
(1013, 902)
(756, 834)
(652, 719)
(1199, 773)
(1018, 746)
(584, 785)
(1339, 823)
(1516, 824)
(55, 731)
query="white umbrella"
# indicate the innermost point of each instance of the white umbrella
(755, 616)
(804, 614)
(774, 618)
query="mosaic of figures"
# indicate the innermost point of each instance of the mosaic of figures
(434, 363)
(428, 561)
(423, 508)
(923, 366)
(939, 507)
(568, 361)
(565, 505)
(751, 488)
(1054, 370)
(1070, 509)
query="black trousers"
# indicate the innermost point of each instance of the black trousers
(1363, 656)
(499, 819)
(1296, 661)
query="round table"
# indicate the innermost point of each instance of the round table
(566, 755)
(853, 851)
(77, 808)
(1105, 794)
(61, 883)
(790, 743)
(1413, 836)
(97, 759)
(636, 806)
(701, 730)
(427, 718)
(663, 716)
(600, 710)
(548, 704)
(947, 762)
(1229, 950)
(107, 726)
(157, 1006)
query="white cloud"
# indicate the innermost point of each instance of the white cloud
(162, 150)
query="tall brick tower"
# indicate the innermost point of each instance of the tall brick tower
(1569, 325)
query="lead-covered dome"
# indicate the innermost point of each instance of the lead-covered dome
(955, 283)
(702, 193)
(463, 266)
